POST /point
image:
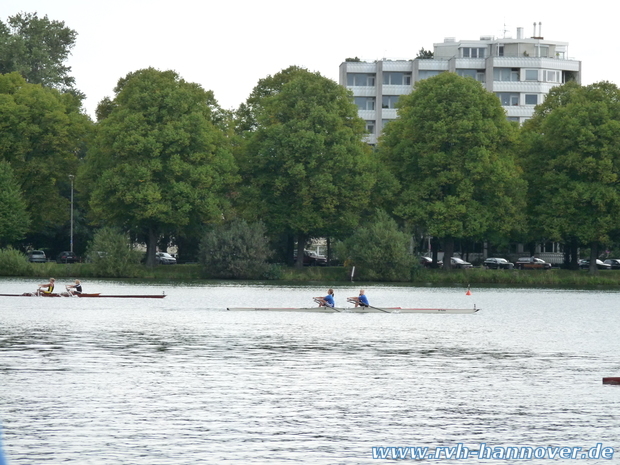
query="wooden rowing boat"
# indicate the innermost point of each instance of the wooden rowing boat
(358, 310)
(66, 294)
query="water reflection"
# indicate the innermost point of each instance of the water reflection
(183, 381)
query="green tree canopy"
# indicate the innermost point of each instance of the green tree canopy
(37, 48)
(450, 149)
(379, 250)
(42, 133)
(573, 164)
(14, 217)
(159, 163)
(307, 171)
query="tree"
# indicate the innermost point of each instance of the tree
(450, 149)
(307, 171)
(425, 54)
(160, 162)
(14, 217)
(236, 250)
(42, 133)
(37, 48)
(111, 254)
(379, 250)
(573, 147)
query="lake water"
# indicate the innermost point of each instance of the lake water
(181, 380)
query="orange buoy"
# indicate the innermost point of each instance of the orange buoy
(468, 291)
(611, 381)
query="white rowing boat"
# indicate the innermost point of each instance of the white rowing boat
(356, 310)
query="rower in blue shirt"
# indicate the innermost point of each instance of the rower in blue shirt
(361, 301)
(327, 301)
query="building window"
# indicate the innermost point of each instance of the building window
(508, 99)
(513, 118)
(360, 79)
(531, 99)
(365, 103)
(474, 52)
(531, 75)
(553, 76)
(423, 74)
(389, 101)
(370, 127)
(397, 79)
(500, 50)
(466, 73)
(544, 51)
(477, 74)
(506, 74)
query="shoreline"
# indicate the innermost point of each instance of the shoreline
(556, 278)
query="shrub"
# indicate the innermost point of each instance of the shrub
(14, 263)
(236, 250)
(111, 255)
(379, 251)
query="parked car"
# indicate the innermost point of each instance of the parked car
(532, 263)
(37, 256)
(460, 263)
(164, 258)
(66, 257)
(614, 263)
(312, 258)
(428, 262)
(585, 264)
(498, 264)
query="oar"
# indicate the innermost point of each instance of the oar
(333, 308)
(369, 306)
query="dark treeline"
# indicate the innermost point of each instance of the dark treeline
(164, 165)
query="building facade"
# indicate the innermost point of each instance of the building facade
(519, 71)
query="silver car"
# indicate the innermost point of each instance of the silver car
(164, 258)
(460, 263)
(37, 256)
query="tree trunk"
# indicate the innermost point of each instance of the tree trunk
(329, 251)
(301, 245)
(448, 250)
(151, 247)
(593, 257)
(434, 250)
(290, 249)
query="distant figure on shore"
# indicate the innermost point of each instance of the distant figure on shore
(327, 301)
(360, 301)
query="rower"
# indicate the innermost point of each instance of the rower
(50, 287)
(75, 288)
(327, 301)
(360, 301)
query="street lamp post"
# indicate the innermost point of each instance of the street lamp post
(71, 244)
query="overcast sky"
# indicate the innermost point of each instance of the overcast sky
(227, 45)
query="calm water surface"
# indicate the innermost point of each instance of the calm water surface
(181, 380)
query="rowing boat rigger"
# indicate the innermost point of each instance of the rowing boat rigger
(357, 310)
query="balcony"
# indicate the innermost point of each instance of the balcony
(530, 87)
(363, 91)
(536, 63)
(395, 90)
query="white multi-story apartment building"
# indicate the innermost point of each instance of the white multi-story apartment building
(519, 71)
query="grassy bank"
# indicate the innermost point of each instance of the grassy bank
(475, 276)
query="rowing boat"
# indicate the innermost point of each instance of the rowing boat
(66, 294)
(357, 310)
